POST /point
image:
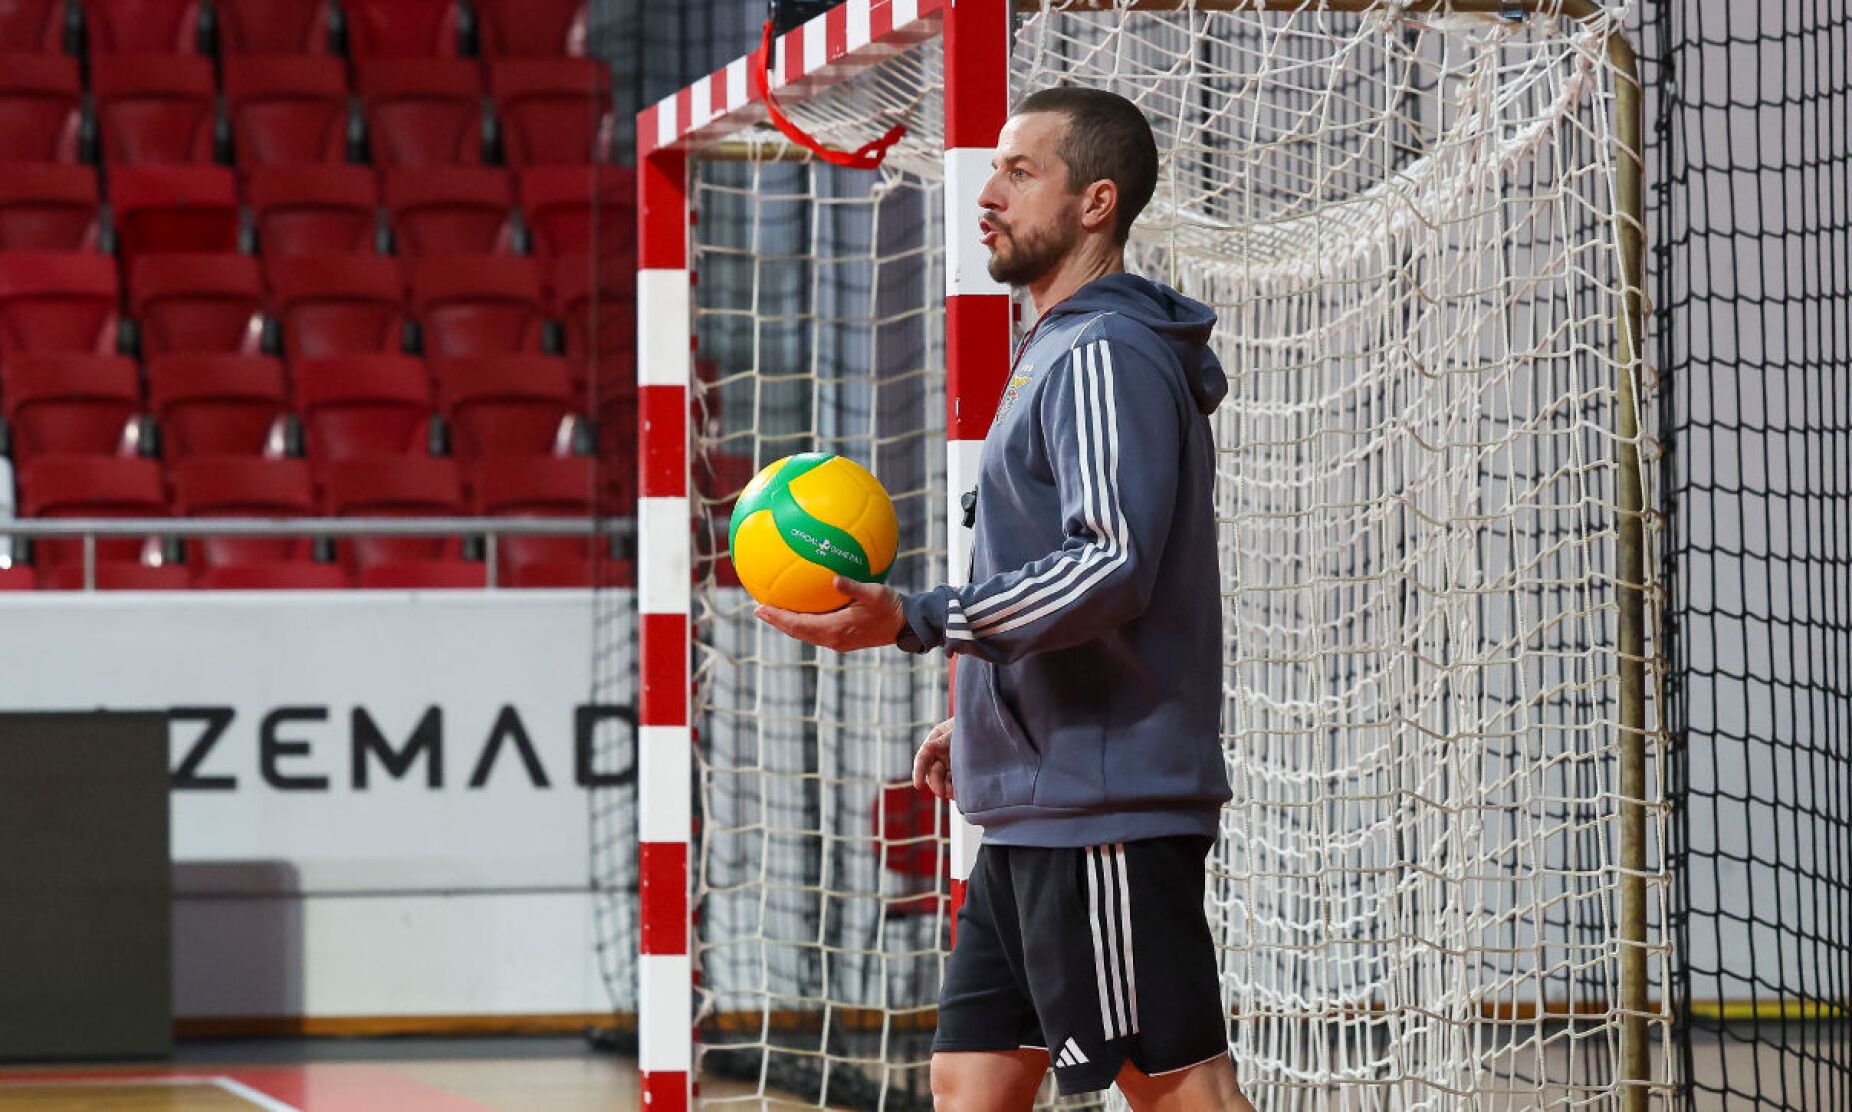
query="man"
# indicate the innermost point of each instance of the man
(1088, 644)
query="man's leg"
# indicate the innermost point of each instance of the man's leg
(987, 1080)
(1205, 1087)
(1125, 979)
(987, 1055)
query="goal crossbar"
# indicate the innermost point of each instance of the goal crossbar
(857, 34)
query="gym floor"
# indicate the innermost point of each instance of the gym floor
(565, 1074)
(345, 1075)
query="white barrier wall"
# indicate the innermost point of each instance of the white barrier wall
(379, 801)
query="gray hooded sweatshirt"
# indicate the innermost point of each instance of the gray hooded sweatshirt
(1089, 639)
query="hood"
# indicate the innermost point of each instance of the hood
(1182, 323)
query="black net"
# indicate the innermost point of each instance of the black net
(1752, 251)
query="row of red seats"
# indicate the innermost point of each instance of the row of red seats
(323, 305)
(63, 486)
(306, 210)
(283, 111)
(374, 28)
(347, 408)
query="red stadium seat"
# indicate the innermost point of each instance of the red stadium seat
(142, 26)
(283, 575)
(402, 28)
(174, 208)
(272, 26)
(477, 304)
(578, 573)
(577, 295)
(244, 487)
(337, 305)
(532, 28)
(312, 210)
(18, 577)
(364, 406)
(456, 209)
(552, 111)
(194, 303)
(618, 494)
(558, 202)
(32, 26)
(75, 404)
(41, 108)
(154, 109)
(48, 206)
(539, 486)
(422, 112)
(287, 111)
(62, 486)
(408, 486)
(120, 575)
(424, 575)
(535, 486)
(221, 405)
(57, 301)
(503, 405)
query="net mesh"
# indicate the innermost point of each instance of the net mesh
(1410, 228)
(819, 874)
(1752, 235)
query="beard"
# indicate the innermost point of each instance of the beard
(1032, 255)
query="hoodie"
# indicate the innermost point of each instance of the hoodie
(1089, 638)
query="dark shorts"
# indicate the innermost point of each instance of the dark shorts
(1099, 955)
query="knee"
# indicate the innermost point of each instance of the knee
(986, 1081)
(949, 1086)
(1003, 1082)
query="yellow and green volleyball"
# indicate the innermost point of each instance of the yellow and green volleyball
(805, 519)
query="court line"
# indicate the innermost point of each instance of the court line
(262, 1100)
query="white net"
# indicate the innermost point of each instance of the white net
(1410, 226)
(819, 873)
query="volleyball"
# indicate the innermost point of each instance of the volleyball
(805, 519)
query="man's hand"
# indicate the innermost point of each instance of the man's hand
(871, 619)
(932, 765)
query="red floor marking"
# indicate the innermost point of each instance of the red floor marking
(314, 1087)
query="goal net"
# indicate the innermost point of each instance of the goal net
(818, 870)
(1440, 881)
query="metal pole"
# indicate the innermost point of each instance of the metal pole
(1636, 1059)
(665, 755)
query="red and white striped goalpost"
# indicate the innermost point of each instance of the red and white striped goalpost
(665, 761)
(977, 307)
(847, 39)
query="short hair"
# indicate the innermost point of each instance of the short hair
(1107, 137)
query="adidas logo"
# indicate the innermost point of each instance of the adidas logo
(1071, 1055)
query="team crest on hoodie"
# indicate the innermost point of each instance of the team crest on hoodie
(1018, 380)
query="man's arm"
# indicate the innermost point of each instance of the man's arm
(1113, 428)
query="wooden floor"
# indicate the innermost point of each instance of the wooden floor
(574, 1084)
(564, 1075)
(203, 1096)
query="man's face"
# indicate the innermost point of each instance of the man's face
(1031, 217)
